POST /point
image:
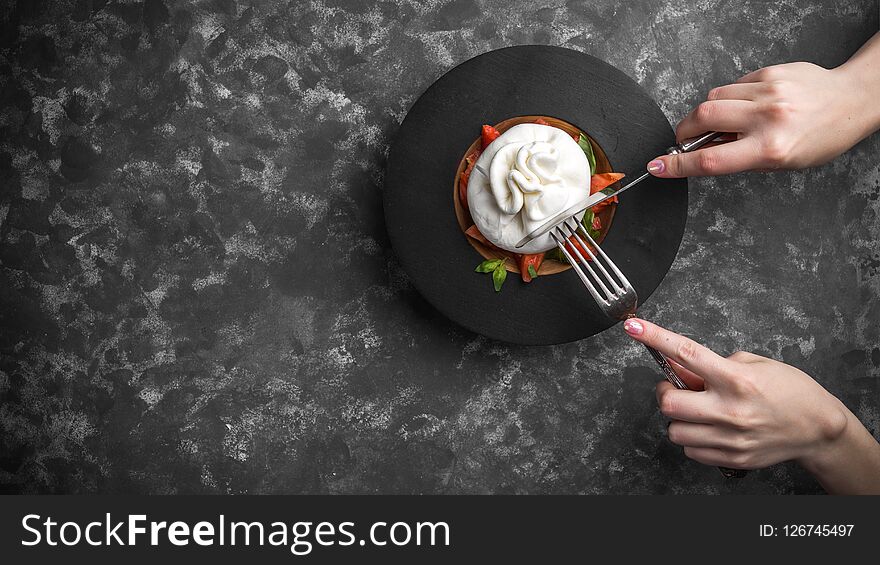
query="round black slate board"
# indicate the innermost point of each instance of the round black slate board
(489, 88)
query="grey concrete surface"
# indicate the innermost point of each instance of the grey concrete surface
(197, 293)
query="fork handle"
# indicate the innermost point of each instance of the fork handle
(670, 375)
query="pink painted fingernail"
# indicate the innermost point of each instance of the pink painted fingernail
(633, 327)
(656, 167)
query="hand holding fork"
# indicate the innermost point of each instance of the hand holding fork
(614, 294)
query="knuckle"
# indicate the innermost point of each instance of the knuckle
(741, 460)
(776, 89)
(745, 384)
(740, 419)
(708, 162)
(667, 403)
(753, 76)
(715, 93)
(779, 110)
(742, 356)
(737, 356)
(705, 112)
(686, 350)
(741, 443)
(775, 151)
(768, 74)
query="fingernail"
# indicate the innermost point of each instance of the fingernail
(633, 327)
(656, 167)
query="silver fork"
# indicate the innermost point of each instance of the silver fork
(615, 295)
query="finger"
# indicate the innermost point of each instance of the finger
(714, 456)
(690, 378)
(717, 115)
(745, 357)
(689, 434)
(736, 91)
(733, 157)
(767, 73)
(686, 405)
(686, 352)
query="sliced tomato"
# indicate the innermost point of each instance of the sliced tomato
(603, 180)
(534, 260)
(597, 223)
(602, 205)
(462, 188)
(474, 232)
(574, 244)
(489, 135)
(600, 181)
(471, 160)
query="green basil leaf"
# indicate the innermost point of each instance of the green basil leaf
(488, 265)
(588, 218)
(532, 272)
(588, 224)
(556, 254)
(588, 150)
(498, 277)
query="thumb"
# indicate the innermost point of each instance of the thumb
(726, 158)
(676, 166)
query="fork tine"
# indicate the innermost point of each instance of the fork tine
(608, 293)
(575, 264)
(623, 280)
(620, 283)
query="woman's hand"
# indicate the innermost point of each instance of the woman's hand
(782, 117)
(746, 412)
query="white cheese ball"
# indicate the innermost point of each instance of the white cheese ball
(526, 176)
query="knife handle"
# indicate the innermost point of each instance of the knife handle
(695, 143)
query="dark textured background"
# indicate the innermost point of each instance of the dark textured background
(198, 294)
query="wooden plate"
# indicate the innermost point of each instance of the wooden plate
(579, 89)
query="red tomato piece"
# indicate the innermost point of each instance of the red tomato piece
(600, 181)
(471, 160)
(534, 260)
(474, 232)
(574, 244)
(489, 134)
(603, 180)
